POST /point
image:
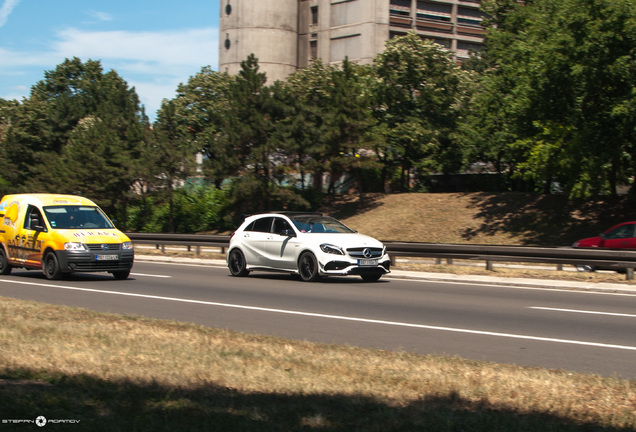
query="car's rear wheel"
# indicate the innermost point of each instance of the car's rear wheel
(51, 267)
(308, 267)
(237, 264)
(5, 267)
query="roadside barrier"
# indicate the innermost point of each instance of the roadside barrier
(611, 259)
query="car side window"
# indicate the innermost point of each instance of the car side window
(263, 224)
(280, 225)
(624, 231)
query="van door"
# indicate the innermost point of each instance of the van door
(34, 236)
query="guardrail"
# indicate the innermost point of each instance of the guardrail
(598, 258)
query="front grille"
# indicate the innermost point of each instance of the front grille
(358, 252)
(98, 246)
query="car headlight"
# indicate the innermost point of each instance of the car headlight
(127, 245)
(75, 246)
(331, 249)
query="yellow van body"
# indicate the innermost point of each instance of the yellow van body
(61, 234)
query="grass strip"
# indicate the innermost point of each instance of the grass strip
(112, 372)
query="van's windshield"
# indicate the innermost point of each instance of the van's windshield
(76, 217)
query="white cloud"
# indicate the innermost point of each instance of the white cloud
(6, 9)
(101, 16)
(153, 62)
(187, 47)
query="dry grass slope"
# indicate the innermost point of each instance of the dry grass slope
(480, 218)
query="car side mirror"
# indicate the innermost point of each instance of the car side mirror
(288, 233)
(602, 235)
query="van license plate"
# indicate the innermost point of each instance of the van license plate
(367, 262)
(106, 257)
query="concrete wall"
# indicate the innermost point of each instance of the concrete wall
(266, 28)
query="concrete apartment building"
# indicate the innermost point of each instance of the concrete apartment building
(286, 35)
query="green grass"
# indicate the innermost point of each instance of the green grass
(114, 372)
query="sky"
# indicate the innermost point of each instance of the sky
(153, 45)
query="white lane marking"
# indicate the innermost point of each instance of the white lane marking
(513, 287)
(150, 275)
(584, 311)
(337, 317)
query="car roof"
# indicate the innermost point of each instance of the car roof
(289, 214)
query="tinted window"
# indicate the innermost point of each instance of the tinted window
(76, 217)
(280, 225)
(320, 224)
(624, 231)
(261, 225)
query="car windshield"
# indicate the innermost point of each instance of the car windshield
(320, 224)
(76, 217)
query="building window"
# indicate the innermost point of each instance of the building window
(471, 17)
(434, 11)
(314, 15)
(400, 7)
(228, 8)
(347, 46)
(313, 49)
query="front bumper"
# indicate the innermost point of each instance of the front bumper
(344, 266)
(94, 261)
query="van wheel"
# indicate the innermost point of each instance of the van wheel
(5, 268)
(121, 275)
(51, 267)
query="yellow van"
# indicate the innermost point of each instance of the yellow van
(61, 234)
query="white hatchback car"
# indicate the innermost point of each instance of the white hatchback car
(308, 244)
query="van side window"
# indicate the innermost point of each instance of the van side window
(33, 218)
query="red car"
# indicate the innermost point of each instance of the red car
(621, 236)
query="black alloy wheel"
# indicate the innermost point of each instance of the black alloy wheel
(308, 267)
(237, 264)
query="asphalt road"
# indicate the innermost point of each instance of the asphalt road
(553, 328)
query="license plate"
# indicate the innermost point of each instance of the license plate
(106, 257)
(367, 262)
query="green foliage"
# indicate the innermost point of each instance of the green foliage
(418, 103)
(556, 66)
(194, 209)
(79, 131)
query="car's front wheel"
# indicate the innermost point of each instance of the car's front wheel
(308, 267)
(237, 264)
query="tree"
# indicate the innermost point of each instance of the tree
(200, 105)
(303, 130)
(418, 104)
(79, 131)
(561, 84)
(171, 155)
